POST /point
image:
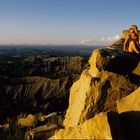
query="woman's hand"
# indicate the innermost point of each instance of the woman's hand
(139, 39)
(126, 42)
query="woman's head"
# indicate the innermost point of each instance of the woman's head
(133, 29)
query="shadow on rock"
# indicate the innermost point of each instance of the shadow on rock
(124, 126)
(134, 79)
(122, 65)
(130, 123)
(114, 122)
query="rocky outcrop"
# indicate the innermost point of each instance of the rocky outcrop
(108, 84)
(95, 128)
(103, 102)
(99, 87)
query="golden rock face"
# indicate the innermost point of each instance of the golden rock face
(136, 71)
(130, 102)
(95, 128)
(78, 95)
(107, 85)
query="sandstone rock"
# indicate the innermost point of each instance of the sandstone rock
(136, 71)
(91, 95)
(110, 77)
(105, 89)
(95, 128)
(77, 99)
(93, 63)
(116, 61)
(130, 102)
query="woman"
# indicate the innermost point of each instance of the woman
(132, 41)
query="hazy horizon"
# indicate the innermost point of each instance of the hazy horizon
(24, 44)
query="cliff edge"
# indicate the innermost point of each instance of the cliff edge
(104, 102)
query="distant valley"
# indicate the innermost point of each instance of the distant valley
(52, 69)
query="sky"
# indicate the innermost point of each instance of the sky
(86, 22)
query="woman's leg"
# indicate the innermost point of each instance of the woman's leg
(133, 48)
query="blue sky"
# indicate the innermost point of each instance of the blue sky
(66, 21)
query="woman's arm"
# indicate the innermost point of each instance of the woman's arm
(139, 39)
(125, 43)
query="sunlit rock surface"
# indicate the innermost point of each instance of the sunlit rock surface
(106, 86)
(130, 102)
(95, 128)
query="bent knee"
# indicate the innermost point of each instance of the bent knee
(132, 43)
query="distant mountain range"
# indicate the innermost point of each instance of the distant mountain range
(55, 50)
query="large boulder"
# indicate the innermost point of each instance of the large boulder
(112, 75)
(100, 86)
(95, 128)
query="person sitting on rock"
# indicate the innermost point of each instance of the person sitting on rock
(132, 41)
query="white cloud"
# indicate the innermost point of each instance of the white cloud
(113, 38)
(84, 41)
(91, 41)
(102, 41)
(110, 39)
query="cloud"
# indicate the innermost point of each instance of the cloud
(113, 38)
(110, 39)
(84, 41)
(91, 41)
(102, 41)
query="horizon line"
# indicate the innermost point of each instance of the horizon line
(14, 44)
